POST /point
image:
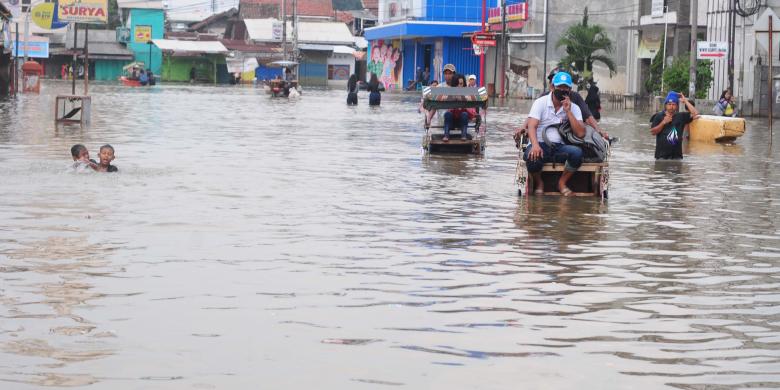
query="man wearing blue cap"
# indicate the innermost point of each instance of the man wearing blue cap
(667, 126)
(547, 113)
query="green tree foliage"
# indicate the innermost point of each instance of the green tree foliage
(586, 44)
(114, 19)
(653, 81)
(677, 76)
(347, 5)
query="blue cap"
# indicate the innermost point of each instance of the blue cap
(672, 97)
(562, 78)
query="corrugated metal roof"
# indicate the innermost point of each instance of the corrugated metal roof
(308, 32)
(209, 47)
(336, 33)
(263, 29)
(140, 4)
(343, 50)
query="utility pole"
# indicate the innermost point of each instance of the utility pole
(26, 8)
(546, 34)
(732, 33)
(482, 55)
(694, 49)
(284, 30)
(504, 47)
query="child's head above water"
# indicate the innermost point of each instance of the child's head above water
(106, 155)
(79, 152)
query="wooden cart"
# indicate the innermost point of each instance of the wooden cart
(591, 179)
(447, 98)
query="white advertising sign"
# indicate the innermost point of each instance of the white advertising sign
(657, 9)
(710, 50)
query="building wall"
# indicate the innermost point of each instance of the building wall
(432, 10)
(178, 68)
(336, 63)
(529, 50)
(313, 68)
(108, 69)
(155, 19)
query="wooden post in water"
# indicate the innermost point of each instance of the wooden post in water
(86, 60)
(73, 69)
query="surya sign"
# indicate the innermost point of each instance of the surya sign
(84, 11)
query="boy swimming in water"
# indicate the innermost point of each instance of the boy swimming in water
(106, 156)
(81, 159)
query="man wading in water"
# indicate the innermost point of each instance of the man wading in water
(667, 126)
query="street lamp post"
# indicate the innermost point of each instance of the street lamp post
(663, 59)
(150, 43)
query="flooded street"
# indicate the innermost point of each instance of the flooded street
(255, 243)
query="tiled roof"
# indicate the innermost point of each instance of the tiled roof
(242, 46)
(305, 7)
(372, 5)
(344, 16)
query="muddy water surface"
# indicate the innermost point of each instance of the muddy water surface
(258, 243)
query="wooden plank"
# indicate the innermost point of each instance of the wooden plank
(454, 142)
(585, 167)
(572, 194)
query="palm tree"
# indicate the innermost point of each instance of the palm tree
(586, 44)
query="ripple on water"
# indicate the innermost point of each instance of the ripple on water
(249, 238)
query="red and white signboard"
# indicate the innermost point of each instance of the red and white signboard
(483, 39)
(709, 50)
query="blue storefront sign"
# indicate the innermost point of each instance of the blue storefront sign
(34, 49)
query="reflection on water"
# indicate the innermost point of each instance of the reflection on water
(247, 240)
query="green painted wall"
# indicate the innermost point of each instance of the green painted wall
(109, 69)
(178, 68)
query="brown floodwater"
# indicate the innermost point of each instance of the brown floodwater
(256, 243)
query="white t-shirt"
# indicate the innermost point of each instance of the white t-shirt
(544, 111)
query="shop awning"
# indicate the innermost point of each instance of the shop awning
(420, 29)
(190, 47)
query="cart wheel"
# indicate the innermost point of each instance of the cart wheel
(605, 194)
(519, 192)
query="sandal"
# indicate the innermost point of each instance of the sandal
(445, 139)
(565, 191)
(539, 191)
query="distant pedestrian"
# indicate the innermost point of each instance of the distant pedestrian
(192, 74)
(374, 97)
(594, 101)
(725, 105)
(150, 75)
(426, 76)
(64, 71)
(352, 90)
(143, 78)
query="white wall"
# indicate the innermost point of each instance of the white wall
(341, 59)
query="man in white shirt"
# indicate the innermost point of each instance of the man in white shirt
(547, 113)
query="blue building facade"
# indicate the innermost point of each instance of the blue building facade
(146, 24)
(419, 34)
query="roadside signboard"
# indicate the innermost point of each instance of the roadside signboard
(277, 31)
(35, 49)
(709, 50)
(657, 9)
(44, 15)
(83, 11)
(483, 39)
(142, 34)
